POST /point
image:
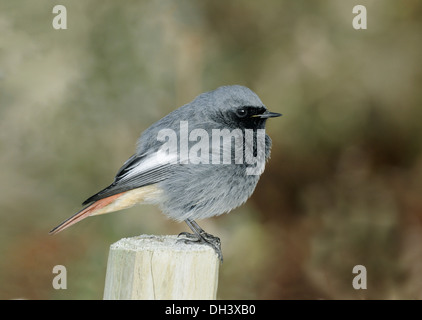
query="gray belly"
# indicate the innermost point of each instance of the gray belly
(202, 191)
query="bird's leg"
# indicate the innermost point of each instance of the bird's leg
(200, 236)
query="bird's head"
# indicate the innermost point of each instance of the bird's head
(237, 107)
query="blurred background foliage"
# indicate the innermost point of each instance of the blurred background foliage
(343, 186)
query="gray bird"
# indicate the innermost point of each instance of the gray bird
(201, 160)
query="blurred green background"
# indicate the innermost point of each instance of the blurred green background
(343, 186)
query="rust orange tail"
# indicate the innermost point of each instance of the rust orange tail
(113, 203)
(92, 209)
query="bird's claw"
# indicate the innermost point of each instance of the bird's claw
(203, 238)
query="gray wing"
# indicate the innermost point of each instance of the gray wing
(136, 172)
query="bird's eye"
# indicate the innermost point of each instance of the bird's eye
(241, 113)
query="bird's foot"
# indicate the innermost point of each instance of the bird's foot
(203, 238)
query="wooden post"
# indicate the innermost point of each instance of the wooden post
(160, 267)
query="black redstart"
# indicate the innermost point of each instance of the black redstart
(201, 160)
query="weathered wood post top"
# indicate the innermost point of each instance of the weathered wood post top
(160, 267)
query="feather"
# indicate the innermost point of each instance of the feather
(113, 203)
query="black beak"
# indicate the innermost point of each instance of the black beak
(268, 114)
